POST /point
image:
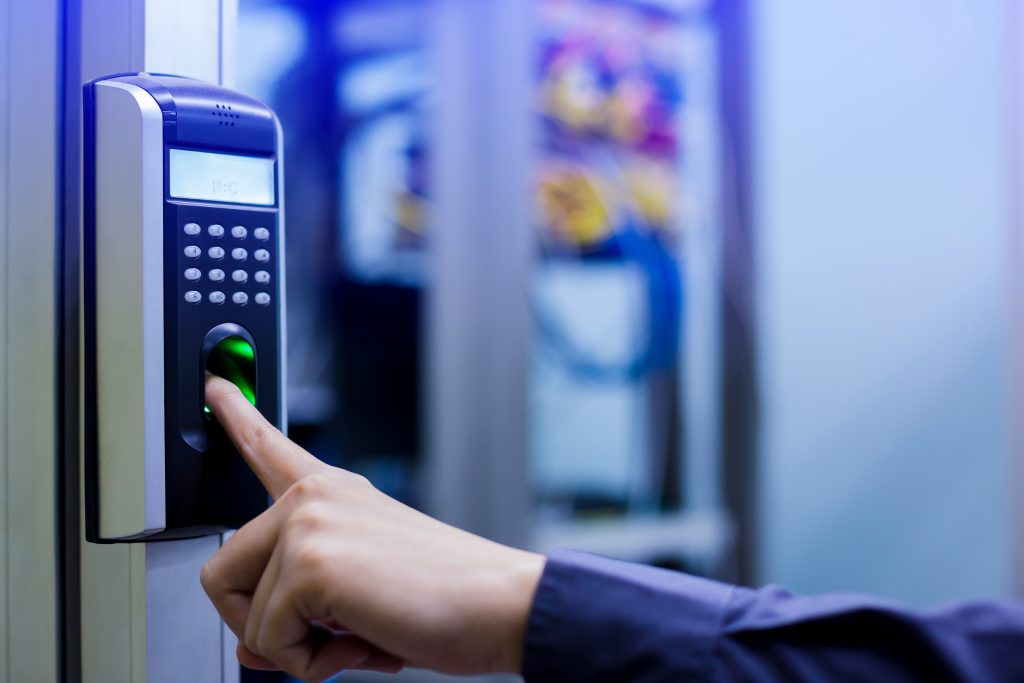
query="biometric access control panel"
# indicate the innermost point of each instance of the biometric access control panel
(182, 274)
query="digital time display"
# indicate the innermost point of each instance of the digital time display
(221, 177)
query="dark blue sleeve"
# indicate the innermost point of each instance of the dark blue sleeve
(599, 620)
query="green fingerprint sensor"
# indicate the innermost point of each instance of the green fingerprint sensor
(234, 359)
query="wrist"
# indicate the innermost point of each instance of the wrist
(524, 572)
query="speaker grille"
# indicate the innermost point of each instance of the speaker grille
(225, 114)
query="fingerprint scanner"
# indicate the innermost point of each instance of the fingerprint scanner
(234, 359)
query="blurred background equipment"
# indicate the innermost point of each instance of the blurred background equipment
(622, 100)
(528, 302)
(352, 81)
(570, 261)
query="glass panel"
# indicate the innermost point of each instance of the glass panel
(221, 177)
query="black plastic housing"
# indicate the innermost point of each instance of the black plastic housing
(208, 486)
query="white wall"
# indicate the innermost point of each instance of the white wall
(883, 228)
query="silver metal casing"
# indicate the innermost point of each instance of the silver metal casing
(129, 311)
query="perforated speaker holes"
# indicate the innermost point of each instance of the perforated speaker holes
(225, 115)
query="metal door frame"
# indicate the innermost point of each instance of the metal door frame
(1015, 72)
(29, 182)
(129, 612)
(481, 261)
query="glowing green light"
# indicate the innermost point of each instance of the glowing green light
(234, 359)
(238, 347)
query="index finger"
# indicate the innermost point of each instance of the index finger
(276, 460)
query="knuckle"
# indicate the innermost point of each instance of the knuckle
(260, 433)
(249, 634)
(305, 520)
(304, 489)
(313, 486)
(327, 484)
(208, 577)
(251, 642)
(349, 483)
(308, 558)
(266, 646)
(356, 480)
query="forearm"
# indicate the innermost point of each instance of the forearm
(596, 620)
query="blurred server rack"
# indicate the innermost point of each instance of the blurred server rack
(624, 396)
(508, 282)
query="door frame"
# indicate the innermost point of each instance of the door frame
(30, 32)
(128, 612)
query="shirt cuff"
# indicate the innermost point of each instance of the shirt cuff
(596, 620)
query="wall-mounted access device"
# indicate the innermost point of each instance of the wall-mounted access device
(182, 273)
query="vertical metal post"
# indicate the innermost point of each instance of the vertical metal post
(1015, 55)
(477, 323)
(701, 255)
(29, 49)
(4, 136)
(739, 409)
(5, 132)
(144, 617)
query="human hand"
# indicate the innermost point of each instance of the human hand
(336, 575)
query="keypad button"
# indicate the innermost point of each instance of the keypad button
(262, 277)
(262, 298)
(215, 230)
(262, 255)
(192, 251)
(239, 276)
(239, 254)
(192, 274)
(216, 253)
(217, 297)
(192, 229)
(261, 234)
(217, 275)
(193, 297)
(240, 298)
(239, 231)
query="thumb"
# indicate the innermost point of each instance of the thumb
(277, 461)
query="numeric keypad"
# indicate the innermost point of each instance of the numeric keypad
(240, 276)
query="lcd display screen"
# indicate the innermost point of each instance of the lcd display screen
(221, 177)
